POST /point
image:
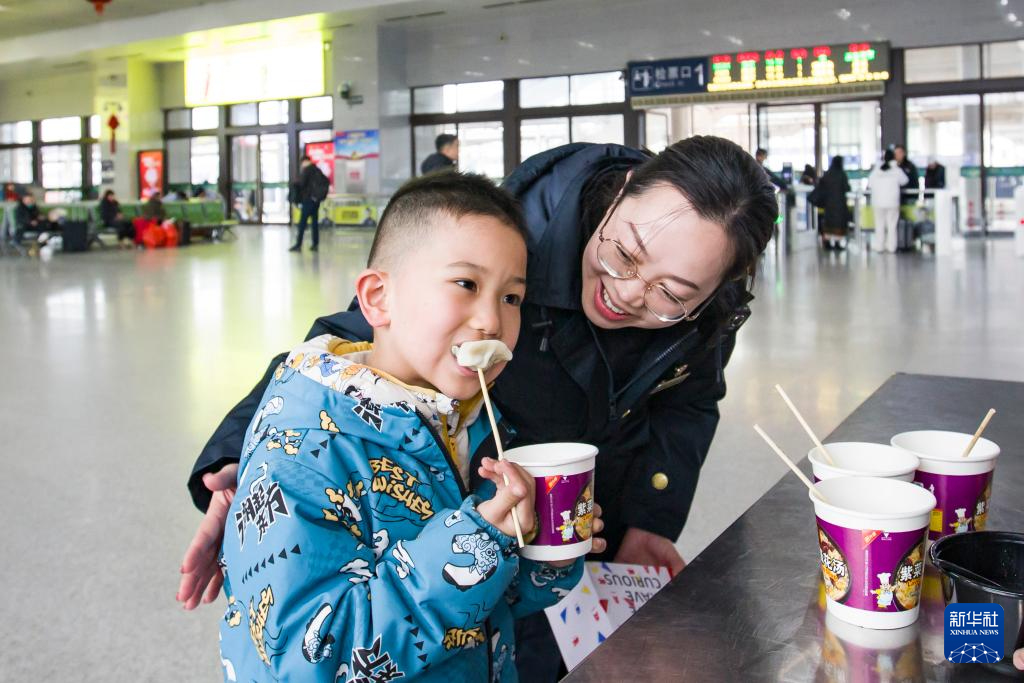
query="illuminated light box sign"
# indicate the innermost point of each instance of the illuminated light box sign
(773, 72)
(272, 71)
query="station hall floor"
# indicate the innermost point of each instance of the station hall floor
(118, 365)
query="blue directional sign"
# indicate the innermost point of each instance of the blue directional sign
(668, 77)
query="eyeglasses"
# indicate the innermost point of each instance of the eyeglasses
(619, 263)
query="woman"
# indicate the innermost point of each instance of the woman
(809, 176)
(636, 284)
(830, 195)
(885, 182)
(111, 217)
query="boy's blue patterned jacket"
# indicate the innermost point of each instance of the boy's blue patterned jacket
(352, 549)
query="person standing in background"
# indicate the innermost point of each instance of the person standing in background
(885, 182)
(909, 170)
(934, 176)
(830, 195)
(445, 158)
(761, 156)
(313, 189)
(809, 176)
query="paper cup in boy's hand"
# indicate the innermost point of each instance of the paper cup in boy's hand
(962, 486)
(871, 538)
(563, 474)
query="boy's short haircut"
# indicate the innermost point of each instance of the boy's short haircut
(415, 209)
(443, 140)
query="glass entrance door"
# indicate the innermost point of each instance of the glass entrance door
(244, 177)
(853, 131)
(948, 130)
(787, 132)
(1004, 158)
(273, 190)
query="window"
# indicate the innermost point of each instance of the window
(1004, 157)
(438, 99)
(853, 131)
(316, 109)
(1004, 60)
(96, 165)
(243, 158)
(598, 129)
(64, 128)
(243, 114)
(656, 129)
(544, 92)
(423, 138)
(317, 135)
(479, 96)
(450, 99)
(18, 133)
(537, 135)
(547, 112)
(205, 160)
(950, 63)
(597, 88)
(947, 129)
(481, 148)
(205, 118)
(95, 128)
(273, 112)
(62, 165)
(178, 171)
(179, 119)
(16, 165)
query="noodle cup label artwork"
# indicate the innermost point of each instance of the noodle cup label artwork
(962, 501)
(565, 509)
(871, 569)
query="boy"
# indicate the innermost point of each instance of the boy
(353, 549)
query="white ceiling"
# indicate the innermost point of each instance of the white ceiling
(43, 34)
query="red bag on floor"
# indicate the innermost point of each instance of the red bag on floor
(171, 235)
(154, 237)
(141, 226)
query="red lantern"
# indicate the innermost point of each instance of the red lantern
(99, 4)
(112, 124)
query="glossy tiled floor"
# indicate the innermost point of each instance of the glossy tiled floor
(118, 365)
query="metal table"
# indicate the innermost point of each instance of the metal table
(751, 606)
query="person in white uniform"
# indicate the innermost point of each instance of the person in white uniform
(885, 182)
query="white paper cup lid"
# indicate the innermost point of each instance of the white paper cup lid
(948, 446)
(861, 458)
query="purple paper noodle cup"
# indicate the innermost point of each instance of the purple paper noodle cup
(871, 548)
(563, 474)
(962, 486)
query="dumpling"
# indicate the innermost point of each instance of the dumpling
(481, 355)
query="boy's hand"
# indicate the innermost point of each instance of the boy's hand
(519, 494)
(199, 570)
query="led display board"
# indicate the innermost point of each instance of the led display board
(798, 67)
(268, 70)
(781, 71)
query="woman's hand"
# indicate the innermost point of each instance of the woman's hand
(519, 494)
(643, 547)
(1018, 659)
(200, 572)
